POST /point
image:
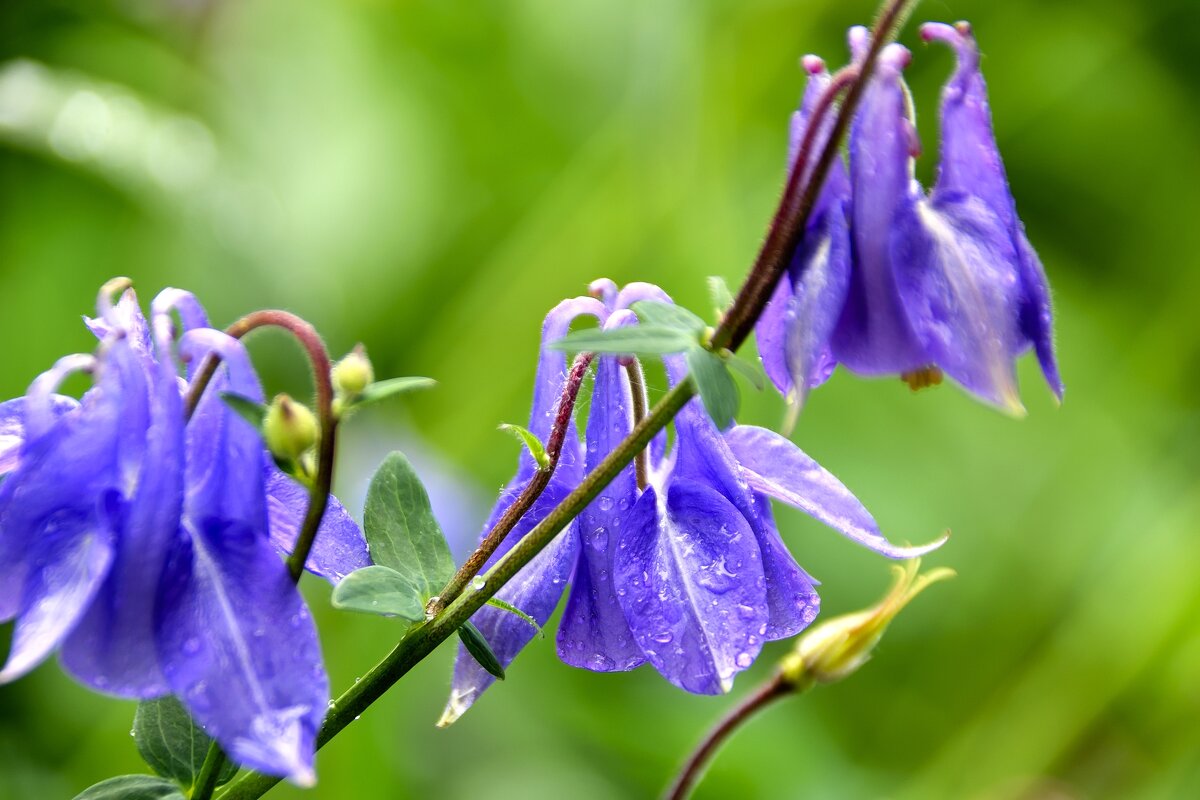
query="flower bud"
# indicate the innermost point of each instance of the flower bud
(289, 428)
(835, 649)
(353, 373)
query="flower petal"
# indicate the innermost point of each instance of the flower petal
(820, 276)
(775, 466)
(74, 551)
(692, 586)
(240, 650)
(971, 166)
(225, 453)
(1037, 320)
(593, 633)
(12, 427)
(125, 319)
(874, 335)
(339, 548)
(112, 647)
(958, 273)
(704, 456)
(68, 471)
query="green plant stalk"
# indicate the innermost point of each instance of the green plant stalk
(786, 231)
(425, 637)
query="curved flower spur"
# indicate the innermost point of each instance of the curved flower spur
(930, 283)
(142, 546)
(687, 573)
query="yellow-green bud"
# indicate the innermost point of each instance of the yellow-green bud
(353, 373)
(833, 650)
(289, 428)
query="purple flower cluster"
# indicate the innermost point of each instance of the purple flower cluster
(688, 572)
(892, 280)
(145, 547)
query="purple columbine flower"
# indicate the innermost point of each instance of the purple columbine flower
(143, 548)
(689, 572)
(537, 588)
(944, 282)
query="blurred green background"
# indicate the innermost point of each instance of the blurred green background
(430, 177)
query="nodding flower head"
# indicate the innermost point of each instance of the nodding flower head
(944, 281)
(145, 546)
(687, 572)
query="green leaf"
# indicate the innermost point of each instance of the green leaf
(532, 442)
(510, 608)
(401, 530)
(718, 290)
(668, 315)
(381, 390)
(379, 590)
(651, 340)
(132, 787)
(252, 411)
(171, 743)
(716, 386)
(480, 650)
(745, 369)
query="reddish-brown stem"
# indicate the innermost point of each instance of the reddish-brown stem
(318, 497)
(799, 197)
(637, 386)
(693, 770)
(318, 356)
(528, 496)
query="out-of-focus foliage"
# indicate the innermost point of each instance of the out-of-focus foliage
(429, 177)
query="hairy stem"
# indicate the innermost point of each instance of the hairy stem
(529, 495)
(693, 769)
(637, 386)
(318, 497)
(799, 197)
(786, 230)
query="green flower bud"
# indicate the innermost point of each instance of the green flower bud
(834, 649)
(353, 373)
(289, 428)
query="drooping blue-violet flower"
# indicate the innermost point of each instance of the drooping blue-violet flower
(143, 547)
(939, 282)
(688, 572)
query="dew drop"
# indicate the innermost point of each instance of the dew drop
(605, 503)
(743, 660)
(478, 582)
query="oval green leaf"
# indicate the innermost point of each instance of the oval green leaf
(401, 530)
(379, 590)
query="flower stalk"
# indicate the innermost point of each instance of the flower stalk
(784, 235)
(529, 495)
(828, 653)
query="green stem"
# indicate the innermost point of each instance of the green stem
(785, 233)
(210, 770)
(423, 639)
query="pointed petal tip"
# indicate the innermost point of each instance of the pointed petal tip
(906, 552)
(456, 706)
(304, 778)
